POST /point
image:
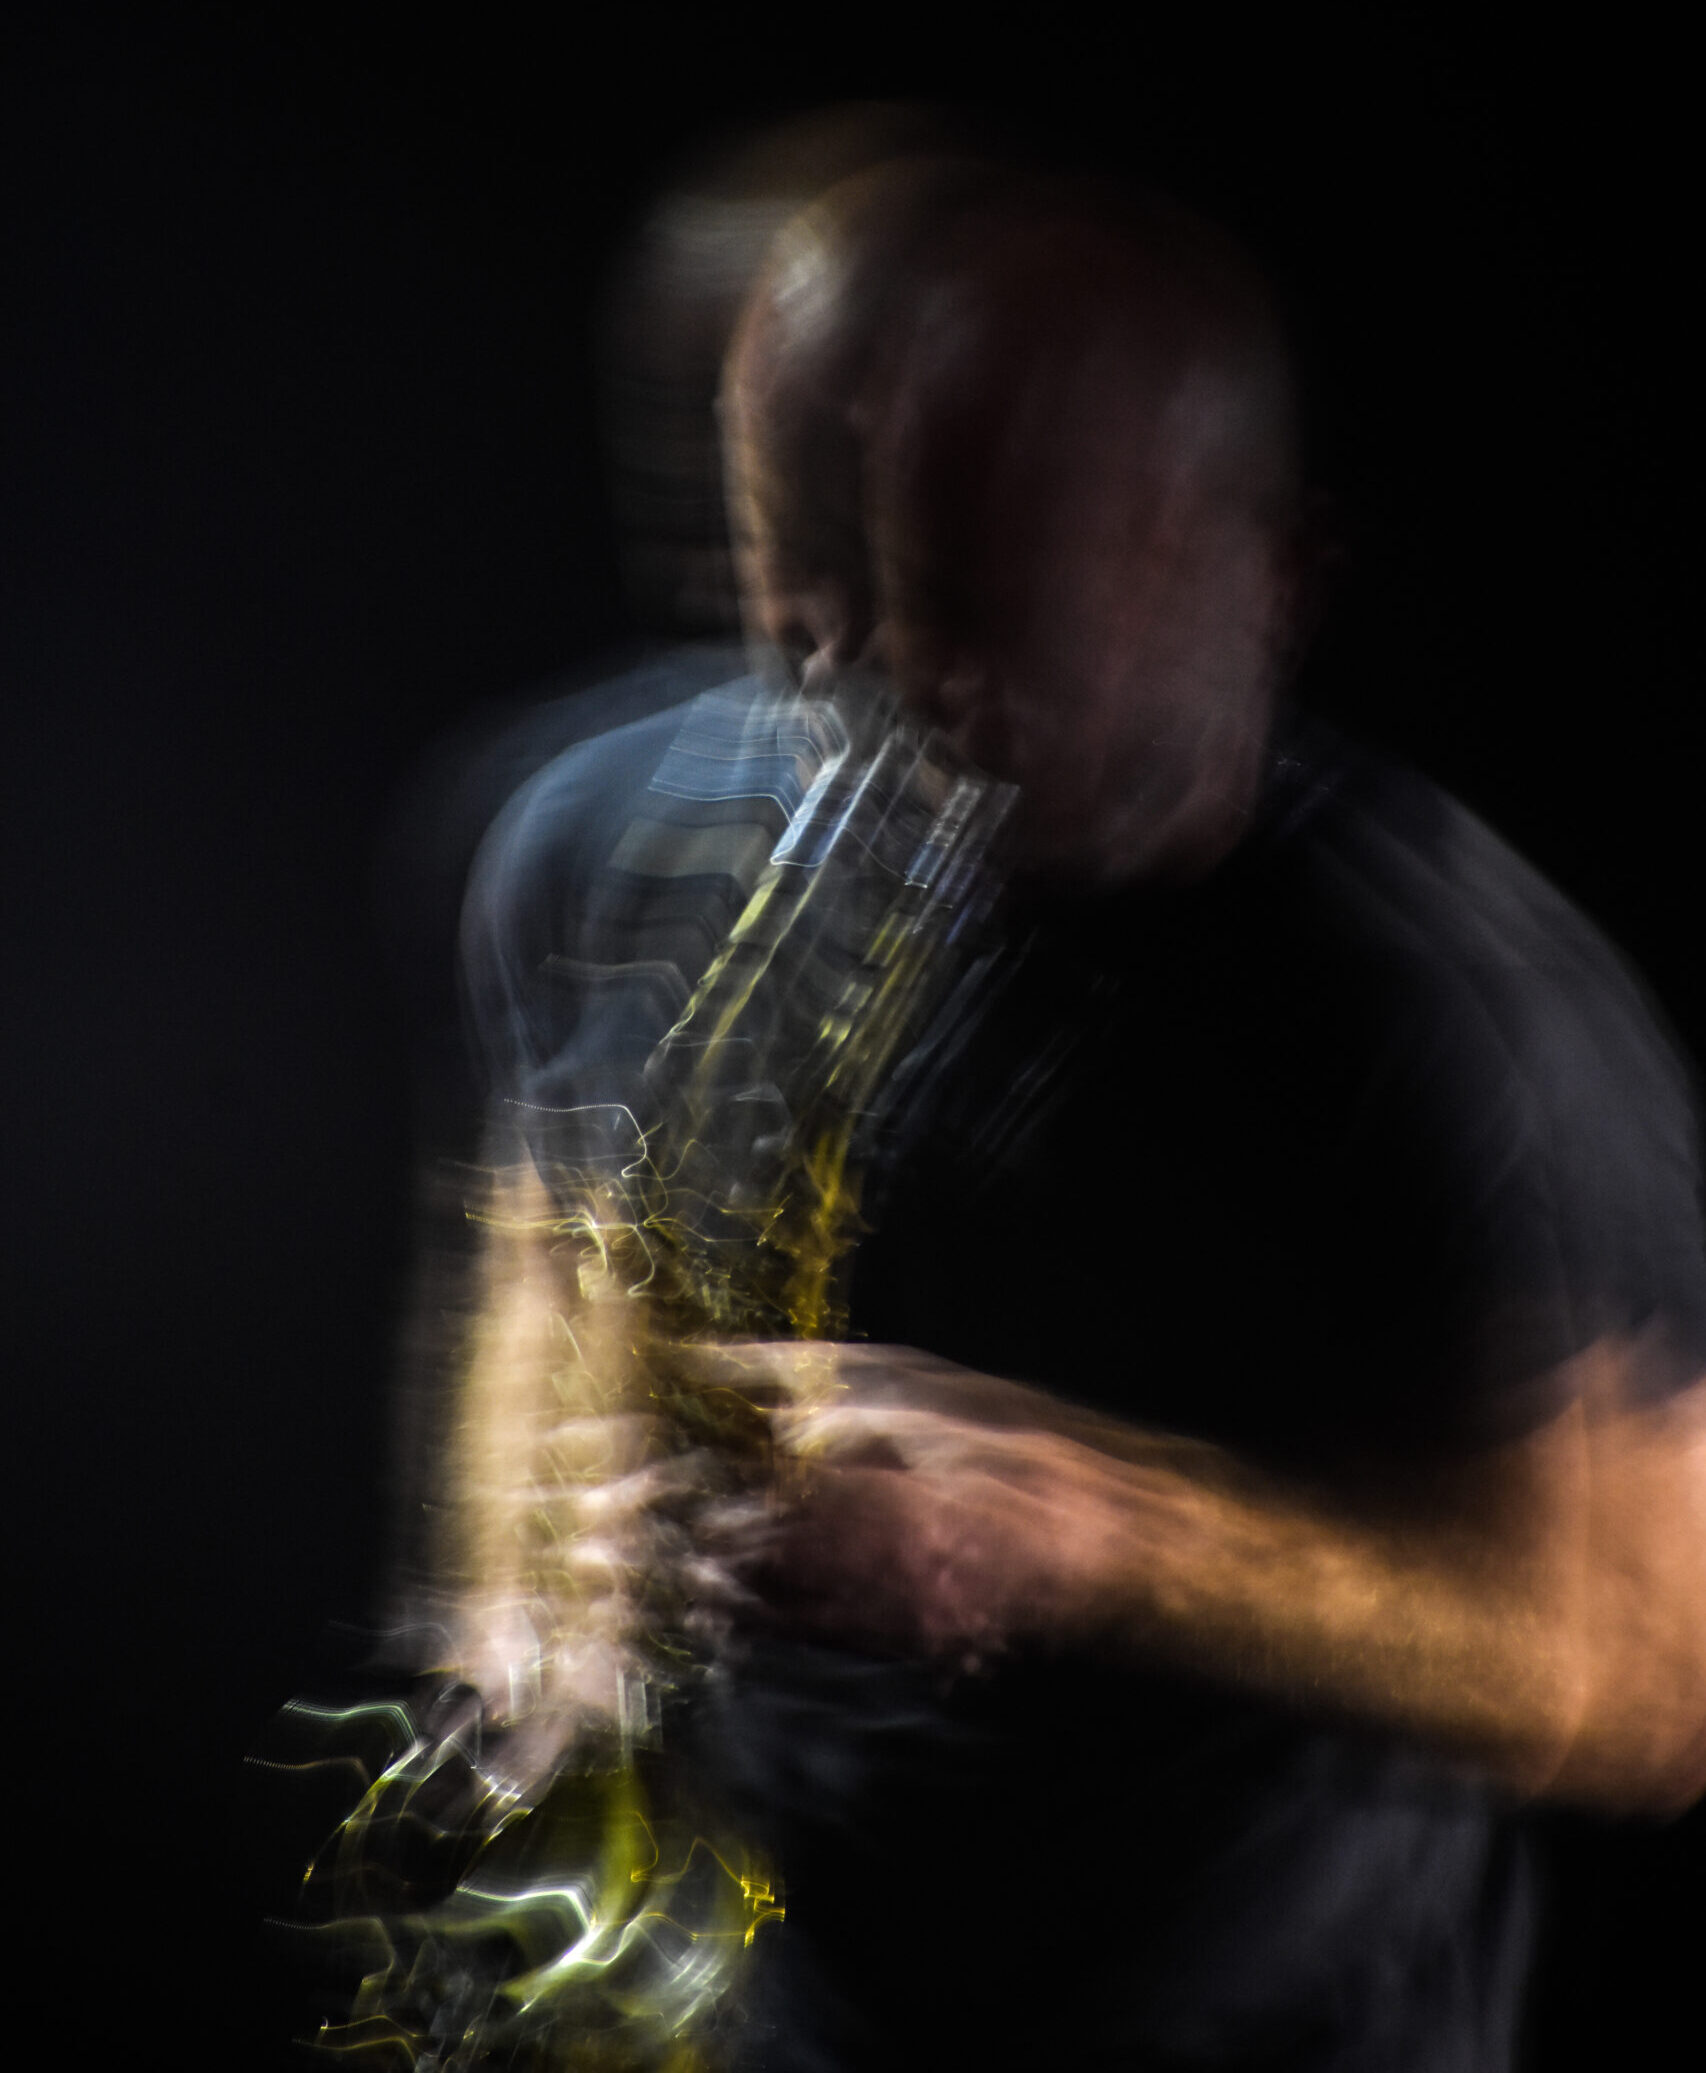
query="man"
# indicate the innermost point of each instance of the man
(1276, 1440)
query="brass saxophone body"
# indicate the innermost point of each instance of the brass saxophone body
(599, 1914)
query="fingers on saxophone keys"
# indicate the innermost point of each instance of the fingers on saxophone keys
(658, 1486)
(720, 1588)
(773, 1374)
(598, 1442)
(868, 1435)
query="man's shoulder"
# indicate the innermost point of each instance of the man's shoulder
(583, 767)
(604, 888)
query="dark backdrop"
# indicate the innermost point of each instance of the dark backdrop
(304, 476)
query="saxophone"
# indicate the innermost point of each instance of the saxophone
(600, 1916)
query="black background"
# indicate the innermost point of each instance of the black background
(304, 476)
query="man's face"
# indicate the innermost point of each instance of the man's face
(1068, 586)
(1040, 542)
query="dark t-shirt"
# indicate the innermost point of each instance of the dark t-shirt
(1332, 1158)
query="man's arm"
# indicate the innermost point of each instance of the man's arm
(550, 1466)
(1539, 1609)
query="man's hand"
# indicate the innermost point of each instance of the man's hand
(1538, 1609)
(926, 1509)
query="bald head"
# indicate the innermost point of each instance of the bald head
(1030, 447)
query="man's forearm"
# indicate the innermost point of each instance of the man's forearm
(1472, 1647)
(1550, 1643)
(545, 1429)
